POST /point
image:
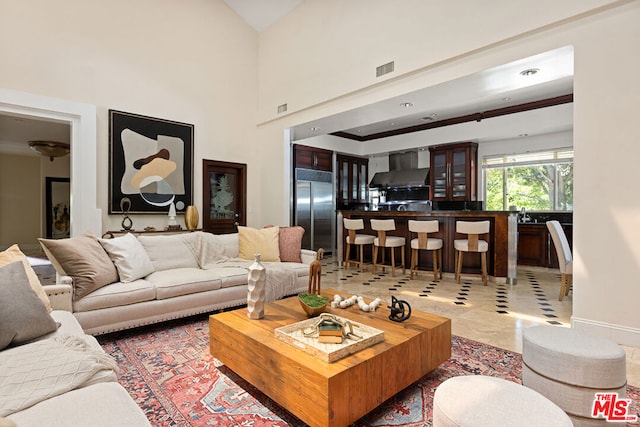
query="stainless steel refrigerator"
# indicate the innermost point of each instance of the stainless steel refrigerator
(314, 208)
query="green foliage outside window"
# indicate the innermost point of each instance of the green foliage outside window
(536, 187)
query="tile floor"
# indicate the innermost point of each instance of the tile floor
(495, 314)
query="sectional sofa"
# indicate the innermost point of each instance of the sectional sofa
(51, 372)
(133, 280)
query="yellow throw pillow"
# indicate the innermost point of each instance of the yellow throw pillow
(14, 254)
(263, 242)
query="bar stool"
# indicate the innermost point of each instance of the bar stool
(423, 242)
(383, 241)
(353, 225)
(471, 244)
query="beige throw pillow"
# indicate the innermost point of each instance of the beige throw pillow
(14, 254)
(84, 259)
(130, 258)
(263, 242)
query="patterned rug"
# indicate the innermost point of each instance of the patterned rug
(169, 372)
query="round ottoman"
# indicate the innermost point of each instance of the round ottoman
(477, 401)
(570, 366)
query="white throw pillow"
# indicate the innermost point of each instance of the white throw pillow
(130, 258)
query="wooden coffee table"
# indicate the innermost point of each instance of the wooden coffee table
(329, 394)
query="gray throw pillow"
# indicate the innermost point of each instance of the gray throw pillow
(23, 316)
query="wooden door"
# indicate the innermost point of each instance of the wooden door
(224, 196)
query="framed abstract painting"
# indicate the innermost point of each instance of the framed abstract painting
(150, 163)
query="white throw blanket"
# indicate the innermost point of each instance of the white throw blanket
(43, 369)
(281, 280)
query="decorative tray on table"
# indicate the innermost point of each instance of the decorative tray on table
(294, 334)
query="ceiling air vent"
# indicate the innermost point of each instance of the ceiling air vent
(282, 108)
(384, 69)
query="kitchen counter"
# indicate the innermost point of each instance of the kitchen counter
(497, 238)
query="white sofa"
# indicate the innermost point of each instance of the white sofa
(97, 400)
(190, 273)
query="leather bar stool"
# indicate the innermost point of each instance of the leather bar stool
(353, 238)
(471, 244)
(424, 242)
(383, 241)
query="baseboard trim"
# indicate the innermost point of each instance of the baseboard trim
(621, 334)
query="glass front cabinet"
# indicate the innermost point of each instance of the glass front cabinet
(353, 185)
(453, 172)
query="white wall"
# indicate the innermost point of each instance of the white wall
(193, 62)
(20, 201)
(606, 131)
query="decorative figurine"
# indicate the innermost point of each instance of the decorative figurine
(125, 205)
(400, 310)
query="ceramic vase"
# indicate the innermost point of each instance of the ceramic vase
(191, 217)
(256, 289)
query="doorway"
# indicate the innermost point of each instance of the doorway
(224, 196)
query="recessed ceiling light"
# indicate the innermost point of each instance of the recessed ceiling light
(392, 123)
(506, 99)
(406, 104)
(431, 116)
(529, 71)
(314, 128)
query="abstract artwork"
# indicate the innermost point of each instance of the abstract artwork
(150, 163)
(58, 197)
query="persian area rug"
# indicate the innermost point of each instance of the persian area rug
(169, 372)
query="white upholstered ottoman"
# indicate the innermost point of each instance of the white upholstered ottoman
(478, 401)
(570, 366)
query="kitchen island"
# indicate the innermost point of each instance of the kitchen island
(497, 257)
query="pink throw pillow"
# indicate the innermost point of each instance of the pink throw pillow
(290, 242)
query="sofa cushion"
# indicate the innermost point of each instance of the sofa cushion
(230, 244)
(290, 243)
(263, 242)
(207, 248)
(129, 256)
(301, 270)
(84, 259)
(117, 294)
(169, 252)
(13, 254)
(231, 275)
(23, 316)
(105, 404)
(183, 281)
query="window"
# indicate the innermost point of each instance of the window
(535, 181)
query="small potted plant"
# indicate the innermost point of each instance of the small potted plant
(311, 301)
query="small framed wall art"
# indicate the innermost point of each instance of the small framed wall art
(58, 198)
(150, 163)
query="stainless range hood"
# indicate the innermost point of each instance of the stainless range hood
(403, 173)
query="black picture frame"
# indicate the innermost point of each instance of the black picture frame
(58, 207)
(150, 163)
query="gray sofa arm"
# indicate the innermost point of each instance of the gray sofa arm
(60, 296)
(307, 256)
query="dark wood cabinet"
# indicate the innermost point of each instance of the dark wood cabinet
(353, 180)
(312, 158)
(535, 246)
(532, 244)
(454, 172)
